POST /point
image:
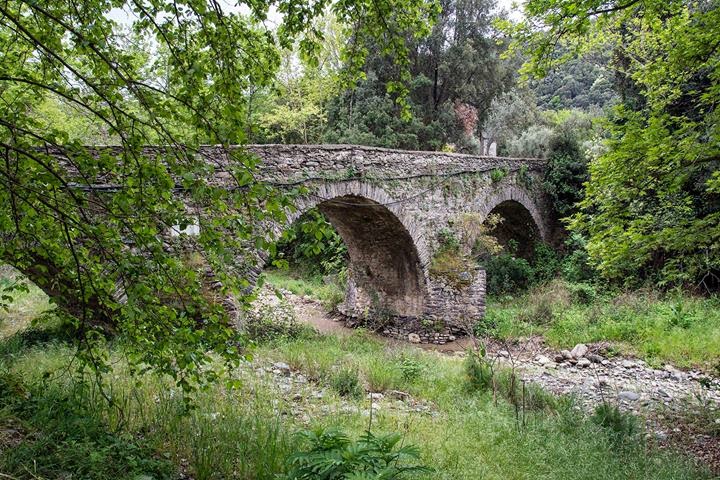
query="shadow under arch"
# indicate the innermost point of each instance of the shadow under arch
(518, 226)
(386, 257)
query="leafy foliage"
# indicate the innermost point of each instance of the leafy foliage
(333, 455)
(346, 383)
(313, 245)
(455, 73)
(61, 437)
(178, 75)
(652, 208)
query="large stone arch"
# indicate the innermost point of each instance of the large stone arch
(388, 255)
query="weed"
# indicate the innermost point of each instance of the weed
(479, 372)
(346, 383)
(621, 426)
(383, 375)
(497, 174)
(410, 368)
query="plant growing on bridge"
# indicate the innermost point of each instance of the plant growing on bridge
(91, 226)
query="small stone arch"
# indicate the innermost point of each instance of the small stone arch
(515, 196)
(388, 256)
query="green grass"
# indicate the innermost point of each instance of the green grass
(25, 306)
(248, 432)
(59, 424)
(680, 329)
(331, 293)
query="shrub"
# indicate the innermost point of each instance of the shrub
(383, 375)
(485, 327)
(312, 244)
(333, 455)
(575, 267)
(546, 263)
(346, 383)
(272, 317)
(478, 372)
(481, 376)
(453, 267)
(539, 313)
(582, 293)
(66, 439)
(497, 174)
(507, 274)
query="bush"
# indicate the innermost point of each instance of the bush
(575, 267)
(582, 293)
(273, 318)
(497, 174)
(65, 439)
(539, 313)
(546, 263)
(410, 368)
(383, 375)
(346, 383)
(507, 274)
(312, 245)
(478, 372)
(481, 376)
(485, 327)
(333, 456)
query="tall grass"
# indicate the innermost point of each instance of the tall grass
(64, 426)
(247, 432)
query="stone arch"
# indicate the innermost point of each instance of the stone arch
(388, 256)
(517, 196)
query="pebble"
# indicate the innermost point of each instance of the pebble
(595, 358)
(282, 368)
(542, 360)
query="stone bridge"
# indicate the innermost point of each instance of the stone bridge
(392, 209)
(396, 212)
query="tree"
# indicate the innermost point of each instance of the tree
(103, 253)
(454, 71)
(652, 204)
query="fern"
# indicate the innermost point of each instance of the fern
(333, 455)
